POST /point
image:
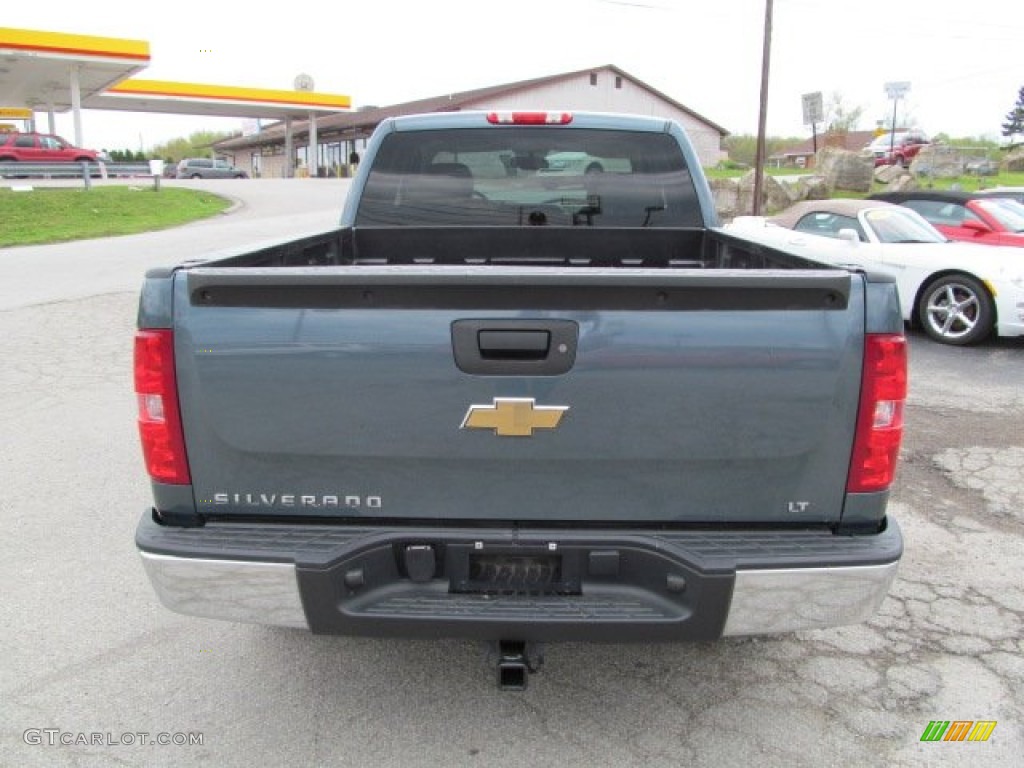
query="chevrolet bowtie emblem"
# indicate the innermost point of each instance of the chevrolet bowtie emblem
(513, 416)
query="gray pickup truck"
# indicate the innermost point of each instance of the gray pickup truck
(516, 405)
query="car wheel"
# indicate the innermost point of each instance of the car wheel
(195, 176)
(956, 309)
(594, 168)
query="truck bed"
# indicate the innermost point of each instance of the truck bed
(695, 248)
(340, 390)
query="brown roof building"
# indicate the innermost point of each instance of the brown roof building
(802, 155)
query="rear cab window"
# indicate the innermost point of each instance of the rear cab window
(529, 176)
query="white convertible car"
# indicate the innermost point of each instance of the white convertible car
(959, 293)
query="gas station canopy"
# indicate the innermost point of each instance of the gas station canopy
(55, 72)
(36, 67)
(217, 100)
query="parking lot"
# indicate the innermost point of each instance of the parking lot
(93, 669)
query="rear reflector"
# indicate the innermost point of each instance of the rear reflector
(880, 418)
(529, 118)
(163, 444)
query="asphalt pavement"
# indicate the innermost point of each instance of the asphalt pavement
(94, 671)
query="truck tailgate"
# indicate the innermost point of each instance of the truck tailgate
(483, 393)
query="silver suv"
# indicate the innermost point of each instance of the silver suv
(205, 168)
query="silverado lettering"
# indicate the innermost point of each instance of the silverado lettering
(292, 500)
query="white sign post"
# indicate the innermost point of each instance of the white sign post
(813, 109)
(895, 91)
(813, 114)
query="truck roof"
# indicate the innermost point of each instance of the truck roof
(475, 118)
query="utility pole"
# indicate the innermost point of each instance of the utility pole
(762, 118)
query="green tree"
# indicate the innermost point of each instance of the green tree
(975, 142)
(1015, 117)
(742, 148)
(840, 117)
(127, 156)
(196, 145)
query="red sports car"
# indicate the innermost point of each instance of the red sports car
(963, 216)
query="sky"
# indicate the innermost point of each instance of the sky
(962, 60)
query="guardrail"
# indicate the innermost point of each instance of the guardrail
(84, 171)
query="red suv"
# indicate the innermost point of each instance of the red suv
(41, 148)
(898, 150)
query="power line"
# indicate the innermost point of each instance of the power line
(648, 6)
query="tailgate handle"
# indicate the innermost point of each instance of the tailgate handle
(514, 347)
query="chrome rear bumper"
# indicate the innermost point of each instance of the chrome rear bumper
(670, 586)
(806, 598)
(234, 590)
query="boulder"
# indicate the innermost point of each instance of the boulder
(845, 170)
(815, 188)
(726, 193)
(938, 161)
(778, 195)
(802, 187)
(1014, 161)
(774, 197)
(903, 183)
(982, 167)
(735, 197)
(887, 174)
(795, 188)
(745, 185)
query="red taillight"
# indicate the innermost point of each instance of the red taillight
(883, 393)
(529, 118)
(163, 444)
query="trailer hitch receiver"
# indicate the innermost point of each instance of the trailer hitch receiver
(516, 660)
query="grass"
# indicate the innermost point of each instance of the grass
(963, 183)
(58, 215)
(967, 183)
(735, 173)
(974, 183)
